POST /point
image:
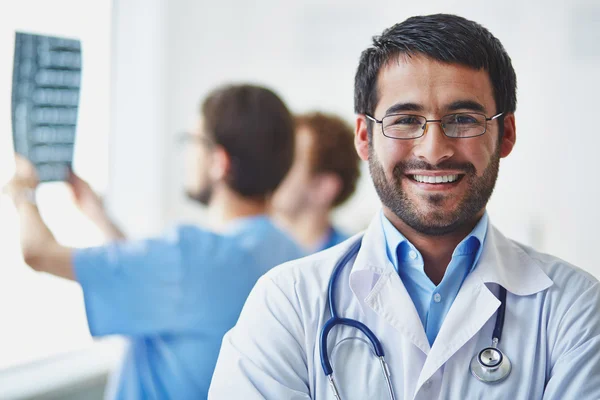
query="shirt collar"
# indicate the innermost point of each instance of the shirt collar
(474, 241)
(240, 225)
(503, 262)
(397, 243)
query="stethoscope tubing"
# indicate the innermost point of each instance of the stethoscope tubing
(335, 320)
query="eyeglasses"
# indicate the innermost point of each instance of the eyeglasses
(187, 137)
(409, 126)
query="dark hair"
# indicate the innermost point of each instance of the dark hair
(332, 150)
(256, 129)
(442, 37)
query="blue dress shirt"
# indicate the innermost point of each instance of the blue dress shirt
(175, 297)
(433, 302)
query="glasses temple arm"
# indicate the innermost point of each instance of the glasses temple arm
(373, 119)
(495, 116)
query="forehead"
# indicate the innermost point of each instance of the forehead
(432, 85)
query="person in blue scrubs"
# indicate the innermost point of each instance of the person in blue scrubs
(323, 176)
(175, 296)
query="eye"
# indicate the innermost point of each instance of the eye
(405, 120)
(463, 119)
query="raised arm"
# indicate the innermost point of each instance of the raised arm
(40, 249)
(92, 206)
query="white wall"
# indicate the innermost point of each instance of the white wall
(308, 52)
(40, 315)
(138, 103)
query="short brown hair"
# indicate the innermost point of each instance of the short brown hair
(332, 150)
(256, 129)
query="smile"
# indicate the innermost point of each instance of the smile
(436, 179)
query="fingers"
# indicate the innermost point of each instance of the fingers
(73, 178)
(24, 169)
(25, 175)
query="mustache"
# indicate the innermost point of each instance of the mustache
(403, 166)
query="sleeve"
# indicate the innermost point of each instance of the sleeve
(575, 357)
(262, 357)
(131, 287)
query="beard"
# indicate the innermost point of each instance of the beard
(202, 196)
(427, 216)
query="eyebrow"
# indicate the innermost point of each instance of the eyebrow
(454, 106)
(466, 105)
(402, 107)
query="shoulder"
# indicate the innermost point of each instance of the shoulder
(563, 274)
(570, 303)
(569, 308)
(265, 242)
(311, 272)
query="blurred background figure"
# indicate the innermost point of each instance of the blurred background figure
(323, 176)
(92, 206)
(176, 295)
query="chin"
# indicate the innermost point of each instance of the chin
(201, 196)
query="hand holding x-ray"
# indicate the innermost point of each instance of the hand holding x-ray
(45, 101)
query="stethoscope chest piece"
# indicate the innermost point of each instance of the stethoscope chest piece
(490, 365)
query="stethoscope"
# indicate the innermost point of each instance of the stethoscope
(490, 365)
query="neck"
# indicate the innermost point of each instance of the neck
(436, 250)
(226, 206)
(308, 228)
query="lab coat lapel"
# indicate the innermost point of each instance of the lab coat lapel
(474, 305)
(503, 263)
(376, 284)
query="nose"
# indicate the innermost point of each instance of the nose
(434, 146)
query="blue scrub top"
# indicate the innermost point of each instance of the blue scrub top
(333, 237)
(175, 297)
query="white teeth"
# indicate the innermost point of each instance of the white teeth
(435, 179)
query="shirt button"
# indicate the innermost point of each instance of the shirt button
(437, 297)
(427, 384)
(412, 254)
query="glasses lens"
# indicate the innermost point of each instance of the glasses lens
(464, 125)
(186, 138)
(403, 126)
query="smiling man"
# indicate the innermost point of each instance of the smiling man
(451, 308)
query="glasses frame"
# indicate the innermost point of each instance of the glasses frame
(427, 121)
(185, 138)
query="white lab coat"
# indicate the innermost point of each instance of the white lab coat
(551, 330)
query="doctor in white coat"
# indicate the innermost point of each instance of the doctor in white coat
(435, 98)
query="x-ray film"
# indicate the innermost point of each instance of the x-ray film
(45, 100)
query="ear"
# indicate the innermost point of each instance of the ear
(361, 137)
(327, 187)
(220, 164)
(509, 137)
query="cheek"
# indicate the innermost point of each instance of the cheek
(196, 165)
(390, 152)
(191, 157)
(480, 156)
